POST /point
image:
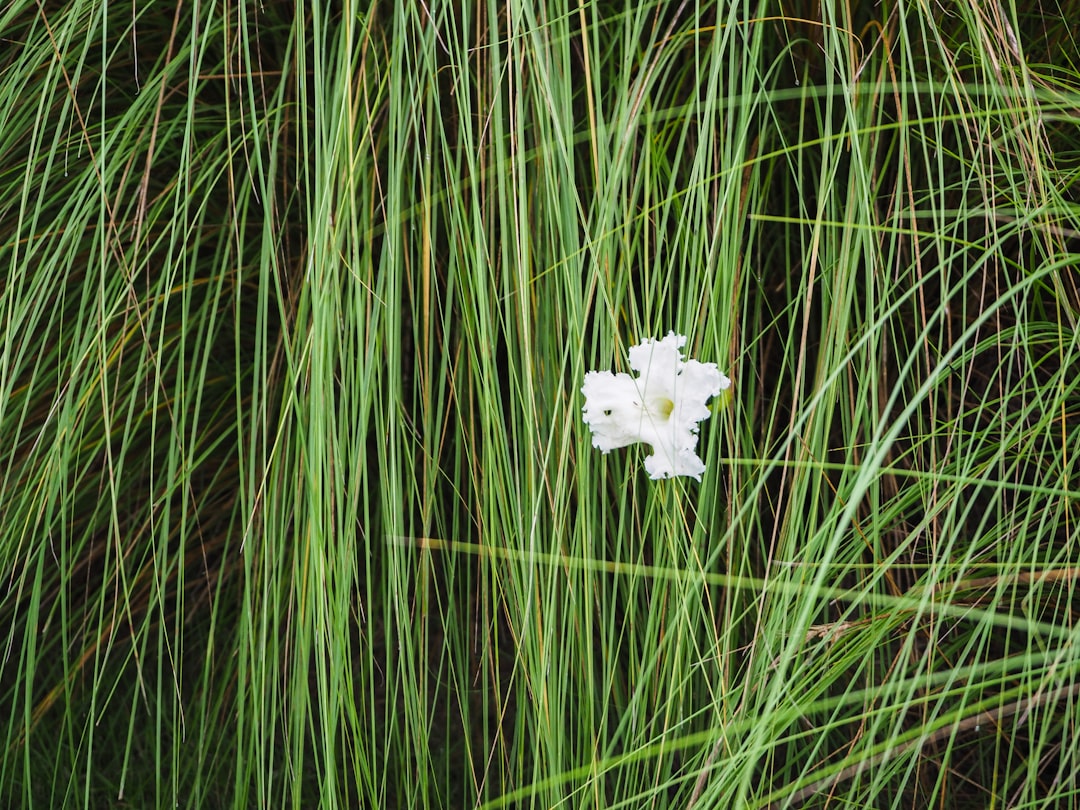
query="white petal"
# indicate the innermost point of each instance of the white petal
(612, 409)
(686, 462)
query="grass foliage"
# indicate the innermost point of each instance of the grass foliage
(297, 508)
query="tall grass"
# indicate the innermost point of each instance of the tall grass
(297, 508)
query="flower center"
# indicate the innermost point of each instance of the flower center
(663, 407)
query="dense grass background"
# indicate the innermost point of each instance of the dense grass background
(297, 508)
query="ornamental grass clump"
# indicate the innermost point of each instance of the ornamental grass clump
(662, 406)
(296, 301)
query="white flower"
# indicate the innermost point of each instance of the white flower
(661, 407)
